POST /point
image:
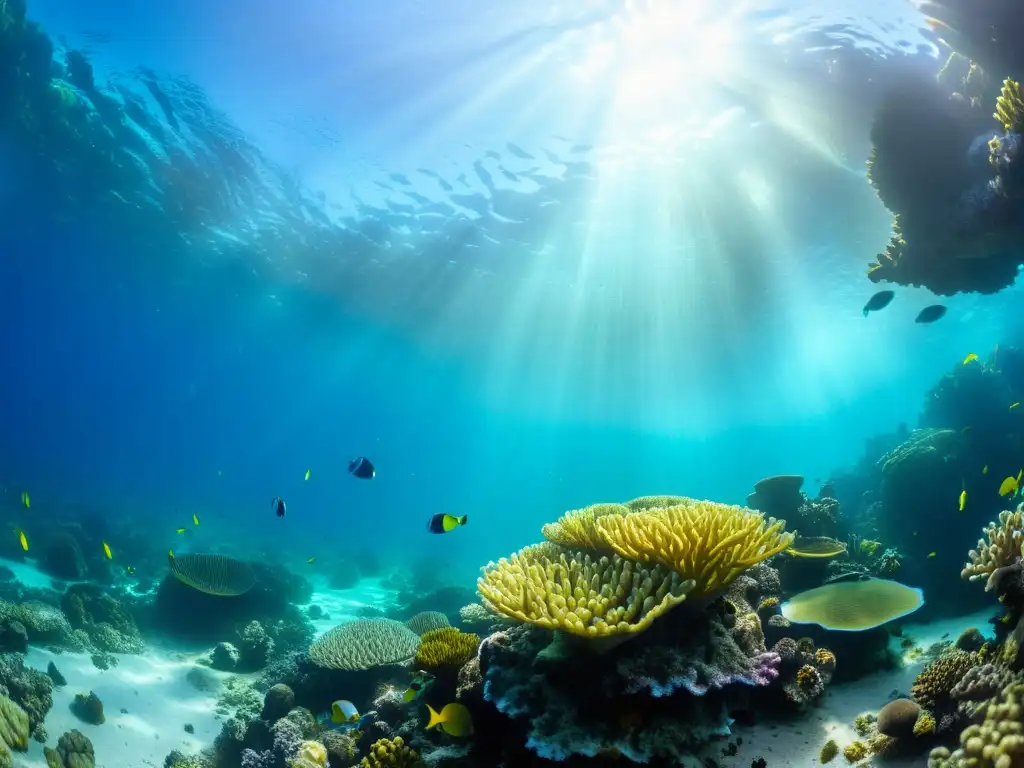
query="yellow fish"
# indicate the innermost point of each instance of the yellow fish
(1008, 486)
(195, 519)
(311, 561)
(130, 569)
(308, 471)
(26, 501)
(963, 499)
(24, 541)
(931, 554)
(984, 470)
(970, 358)
(170, 554)
(1013, 405)
(181, 531)
(107, 552)
(343, 711)
(454, 720)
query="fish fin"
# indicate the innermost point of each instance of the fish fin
(435, 718)
(464, 519)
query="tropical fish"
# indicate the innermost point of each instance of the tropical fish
(971, 357)
(195, 519)
(931, 554)
(278, 505)
(1013, 405)
(984, 470)
(419, 681)
(26, 501)
(131, 570)
(343, 711)
(181, 531)
(308, 472)
(170, 554)
(310, 561)
(879, 301)
(24, 540)
(362, 468)
(107, 552)
(453, 719)
(443, 522)
(930, 313)
(816, 546)
(1010, 485)
(963, 499)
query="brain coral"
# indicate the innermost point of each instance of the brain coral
(364, 643)
(572, 591)
(707, 542)
(213, 574)
(897, 718)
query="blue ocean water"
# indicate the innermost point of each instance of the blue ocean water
(523, 260)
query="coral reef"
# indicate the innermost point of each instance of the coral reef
(29, 688)
(363, 644)
(88, 708)
(427, 621)
(391, 753)
(74, 750)
(446, 649)
(996, 742)
(898, 718)
(1002, 550)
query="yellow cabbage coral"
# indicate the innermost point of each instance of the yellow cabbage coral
(446, 647)
(1002, 549)
(577, 529)
(707, 542)
(1010, 107)
(572, 591)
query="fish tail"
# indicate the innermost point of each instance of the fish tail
(463, 520)
(435, 718)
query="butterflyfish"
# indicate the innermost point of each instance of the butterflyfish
(971, 357)
(963, 499)
(24, 540)
(879, 301)
(180, 531)
(443, 522)
(343, 711)
(278, 505)
(26, 500)
(107, 552)
(1010, 484)
(454, 720)
(308, 472)
(362, 468)
(195, 519)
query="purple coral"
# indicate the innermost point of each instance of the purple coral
(765, 668)
(253, 759)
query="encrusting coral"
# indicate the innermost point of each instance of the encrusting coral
(446, 648)
(1001, 550)
(575, 592)
(363, 644)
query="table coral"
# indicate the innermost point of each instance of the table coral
(571, 590)
(1002, 549)
(363, 644)
(425, 621)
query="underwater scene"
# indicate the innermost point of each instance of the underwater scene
(468, 385)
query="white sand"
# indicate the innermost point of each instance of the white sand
(796, 744)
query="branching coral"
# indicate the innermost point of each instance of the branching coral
(1010, 107)
(391, 753)
(364, 643)
(577, 529)
(707, 542)
(446, 648)
(577, 593)
(1002, 550)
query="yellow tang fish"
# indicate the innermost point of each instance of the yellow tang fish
(970, 358)
(1010, 485)
(308, 472)
(984, 470)
(24, 540)
(181, 531)
(454, 719)
(195, 519)
(1013, 405)
(26, 501)
(963, 499)
(931, 554)
(107, 552)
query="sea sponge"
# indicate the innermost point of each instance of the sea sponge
(446, 648)
(213, 574)
(74, 750)
(856, 751)
(14, 728)
(829, 751)
(998, 742)
(1002, 549)
(934, 684)
(1010, 107)
(853, 605)
(426, 621)
(391, 753)
(363, 644)
(569, 590)
(577, 529)
(898, 718)
(707, 542)
(925, 725)
(311, 753)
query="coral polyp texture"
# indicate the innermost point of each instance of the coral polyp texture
(577, 529)
(391, 753)
(578, 593)
(446, 648)
(214, 574)
(703, 541)
(427, 621)
(364, 644)
(996, 742)
(1000, 549)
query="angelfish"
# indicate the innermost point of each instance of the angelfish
(443, 522)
